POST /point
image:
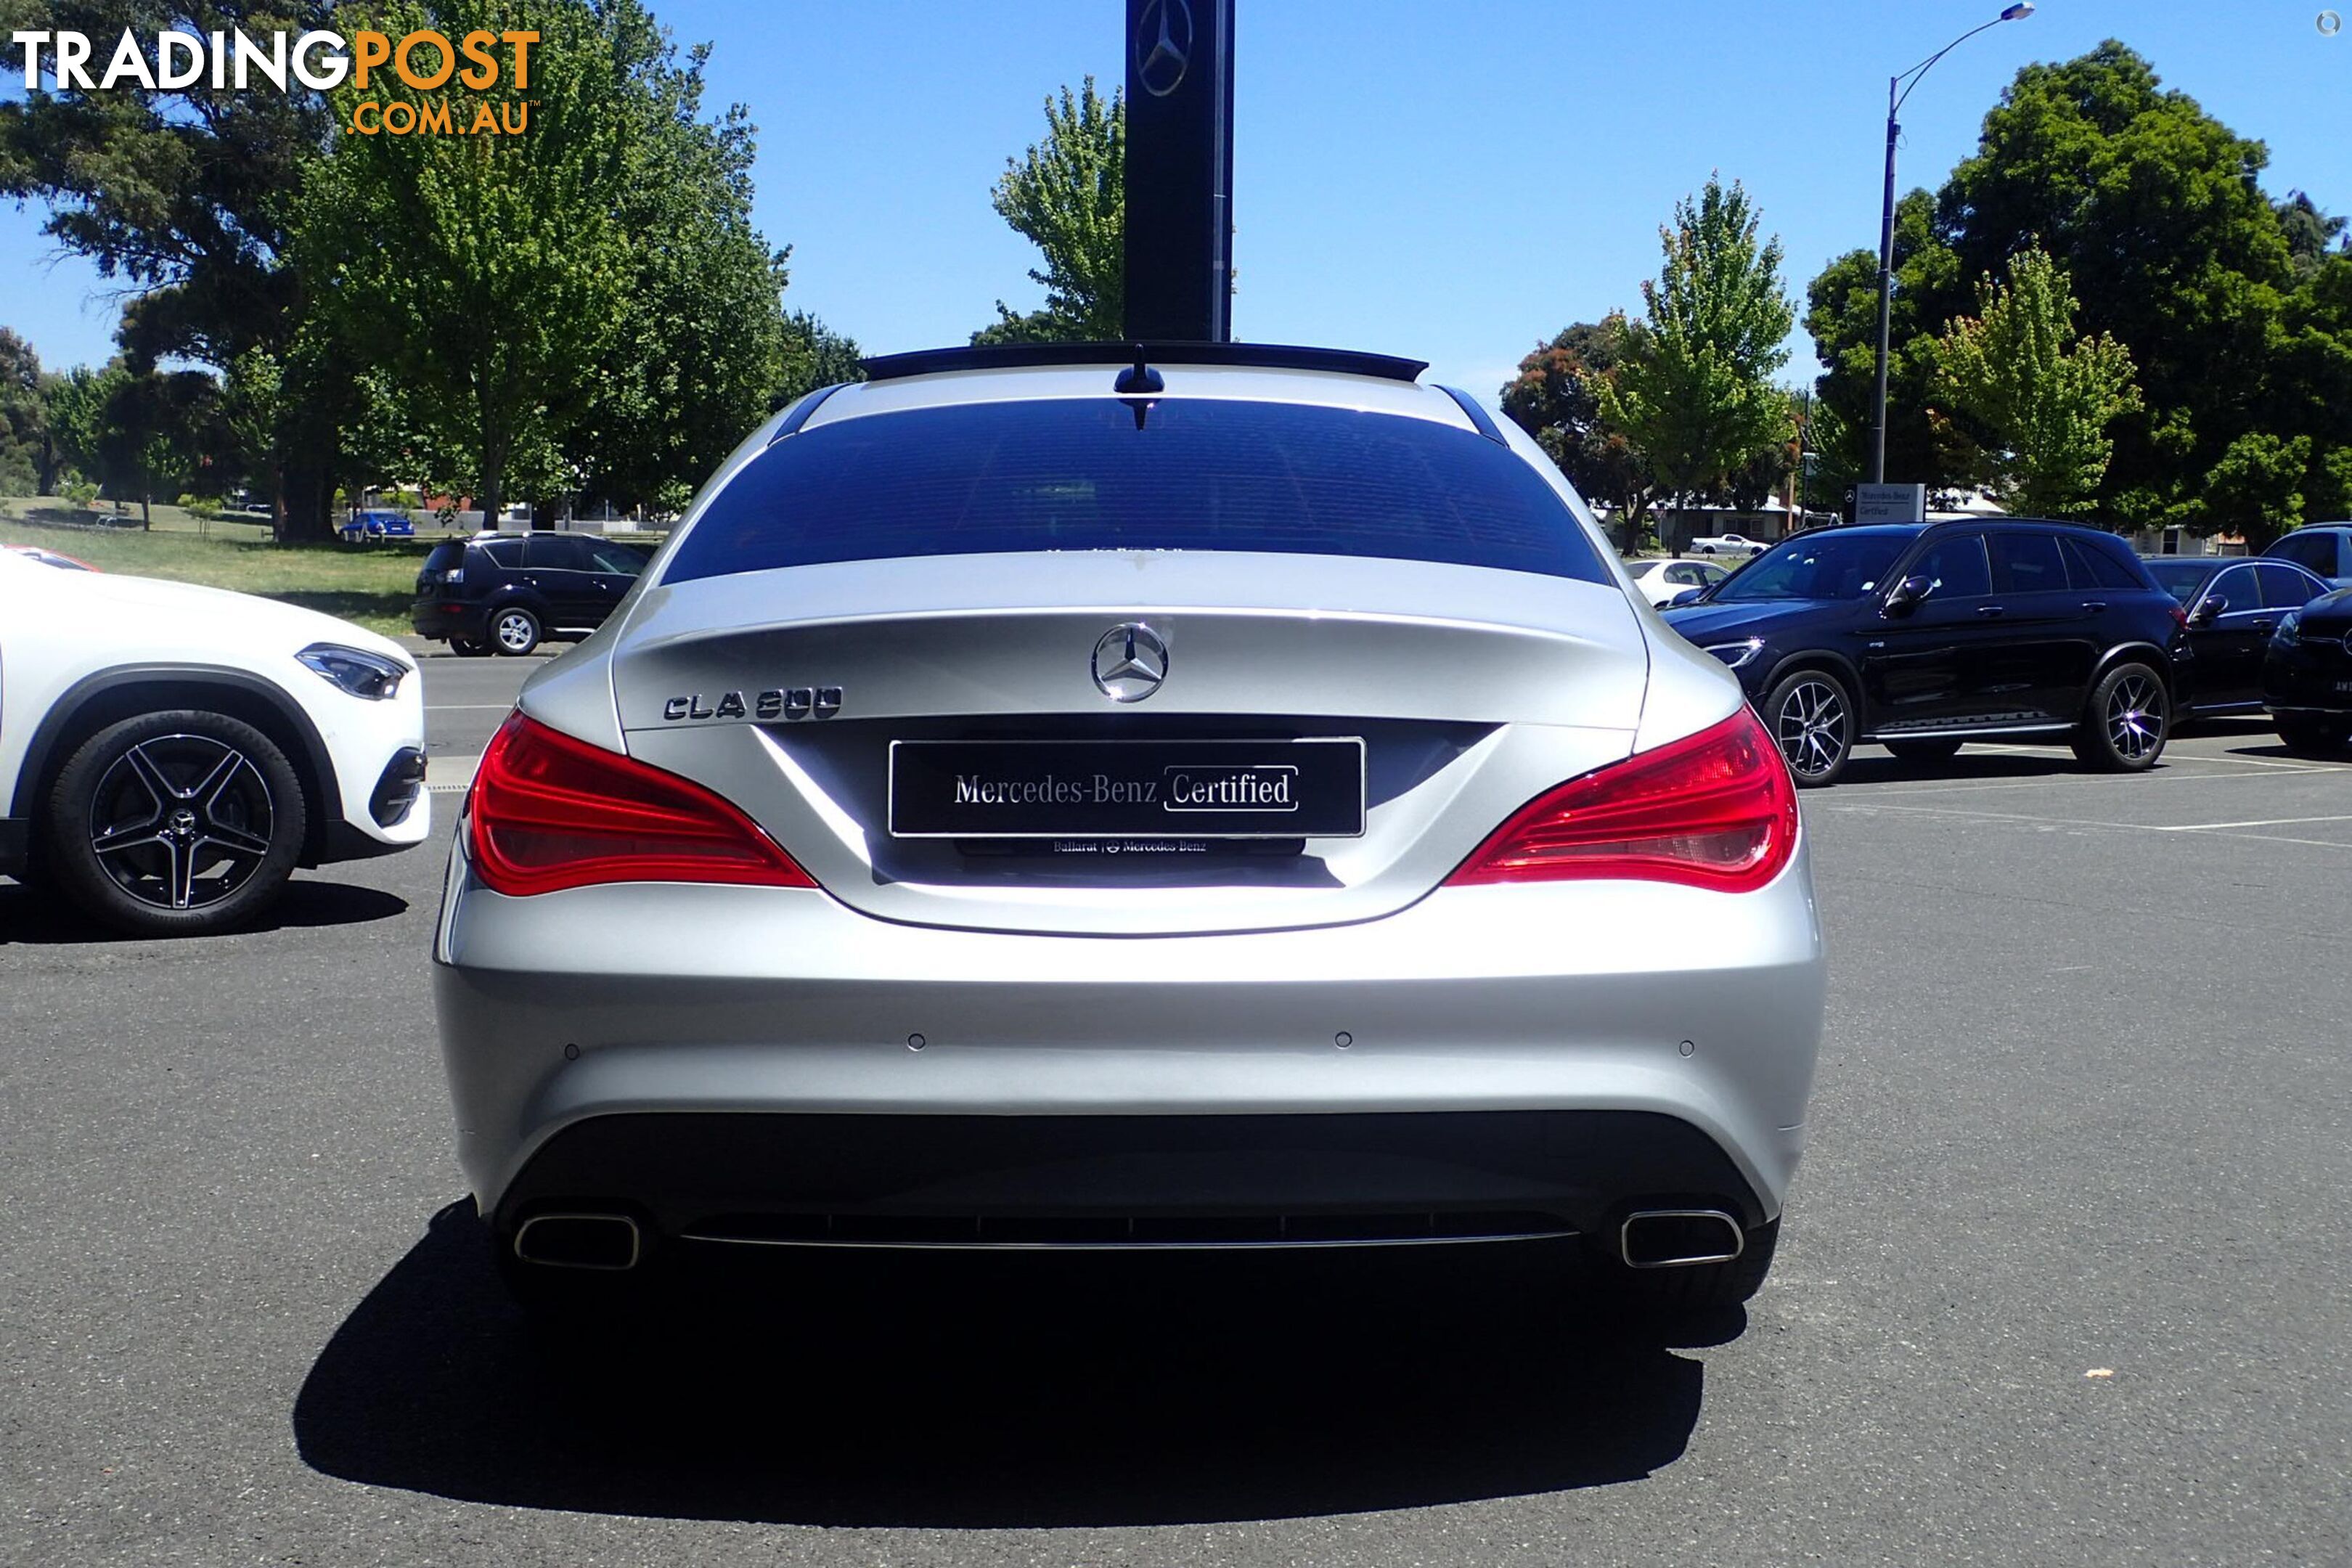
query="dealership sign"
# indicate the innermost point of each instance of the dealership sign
(1890, 503)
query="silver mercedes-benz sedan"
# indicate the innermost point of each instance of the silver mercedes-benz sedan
(1227, 797)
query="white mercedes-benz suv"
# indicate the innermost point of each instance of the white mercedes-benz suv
(1203, 797)
(169, 753)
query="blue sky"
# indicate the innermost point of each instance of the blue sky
(1448, 181)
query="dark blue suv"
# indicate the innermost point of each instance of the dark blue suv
(1919, 636)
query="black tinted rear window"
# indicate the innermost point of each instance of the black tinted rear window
(1077, 474)
(448, 553)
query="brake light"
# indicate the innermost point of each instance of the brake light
(548, 812)
(1717, 809)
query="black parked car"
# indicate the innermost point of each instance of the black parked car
(506, 593)
(2307, 675)
(2324, 548)
(2234, 606)
(1921, 636)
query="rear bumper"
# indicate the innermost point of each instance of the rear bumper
(441, 619)
(698, 1046)
(1112, 1181)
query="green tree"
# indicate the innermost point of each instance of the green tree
(816, 355)
(159, 431)
(2155, 210)
(2309, 231)
(78, 403)
(1842, 314)
(28, 459)
(702, 345)
(2256, 490)
(2032, 401)
(1556, 398)
(487, 274)
(188, 197)
(1068, 196)
(1692, 391)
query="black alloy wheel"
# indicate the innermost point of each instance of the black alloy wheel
(1812, 720)
(180, 823)
(467, 647)
(2127, 723)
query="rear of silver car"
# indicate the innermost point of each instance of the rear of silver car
(1317, 890)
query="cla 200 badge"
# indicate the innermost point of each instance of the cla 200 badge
(776, 703)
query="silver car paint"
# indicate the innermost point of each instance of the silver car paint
(1531, 996)
(1511, 997)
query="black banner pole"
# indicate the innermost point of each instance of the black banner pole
(1180, 170)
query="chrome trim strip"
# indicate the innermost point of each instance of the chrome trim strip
(1125, 1246)
(1975, 732)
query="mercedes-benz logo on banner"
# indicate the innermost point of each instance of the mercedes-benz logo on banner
(1163, 46)
(1130, 661)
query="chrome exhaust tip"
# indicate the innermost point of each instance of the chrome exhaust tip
(609, 1242)
(1679, 1238)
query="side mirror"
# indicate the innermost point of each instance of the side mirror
(1905, 595)
(2208, 609)
(1688, 595)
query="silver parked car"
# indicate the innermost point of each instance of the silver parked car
(1035, 800)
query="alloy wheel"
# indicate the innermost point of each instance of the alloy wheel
(1810, 727)
(2134, 718)
(515, 632)
(179, 822)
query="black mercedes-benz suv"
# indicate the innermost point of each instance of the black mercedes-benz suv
(1919, 636)
(2307, 675)
(506, 593)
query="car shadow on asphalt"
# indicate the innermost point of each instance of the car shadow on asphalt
(971, 1390)
(36, 915)
(1871, 765)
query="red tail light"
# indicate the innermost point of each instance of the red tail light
(550, 812)
(1714, 810)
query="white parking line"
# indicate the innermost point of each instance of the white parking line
(2264, 822)
(450, 774)
(2276, 769)
(2219, 829)
(467, 707)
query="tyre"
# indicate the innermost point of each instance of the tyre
(1813, 721)
(514, 631)
(1924, 750)
(175, 823)
(2307, 737)
(467, 647)
(1700, 1288)
(2126, 721)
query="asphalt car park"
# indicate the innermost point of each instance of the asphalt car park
(2061, 1281)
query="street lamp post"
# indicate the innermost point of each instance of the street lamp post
(1896, 93)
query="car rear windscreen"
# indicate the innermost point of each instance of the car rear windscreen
(1091, 474)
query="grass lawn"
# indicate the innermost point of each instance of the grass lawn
(371, 584)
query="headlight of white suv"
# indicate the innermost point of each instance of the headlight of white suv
(1735, 654)
(357, 671)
